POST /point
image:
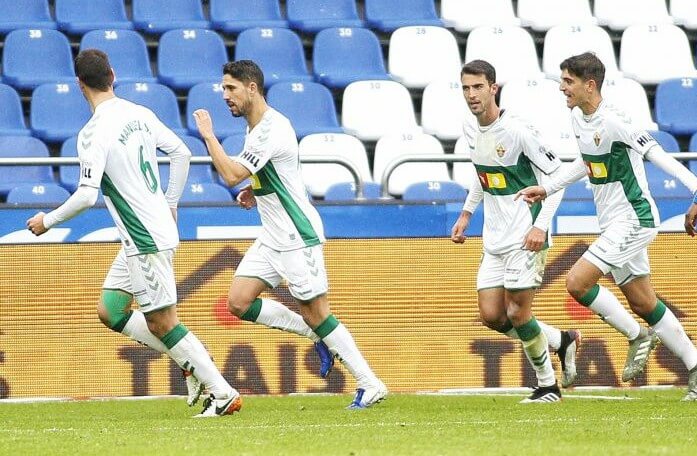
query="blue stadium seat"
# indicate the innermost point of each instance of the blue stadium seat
(663, 185)
(308, 105)
(435, 191)
(198, 173)
(159, 98)
(23, 146)
(80, 16)
(28, 51)
(209, 96)
(205, 192)
(676, 106)
(188, 57)
(46, 193)
(389, 15)
(127, 51)
(234, 16)
(345, 191)
(58, 111)
(277, 51)
(692, 147)
(311, 16)
(69, 175)
(579, 191)
(159, 16)
(11, 116)
(233, 145)
(341, 56)
(25, 14)
(666, 140)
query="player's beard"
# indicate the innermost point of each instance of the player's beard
(241, 109)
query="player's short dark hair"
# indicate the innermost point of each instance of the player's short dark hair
(586, 66)
(480, 67)
(94, 70)
(246, 71)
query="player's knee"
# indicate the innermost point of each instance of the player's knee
(493, 320)
(114, 309)
(516, 314)
(238, 305)
(576, 287)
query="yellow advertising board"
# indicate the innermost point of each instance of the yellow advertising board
(409, 303)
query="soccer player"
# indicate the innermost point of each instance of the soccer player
(691, 218)
(508, 154)
(612, 151)
(290, 246)
(117, 154)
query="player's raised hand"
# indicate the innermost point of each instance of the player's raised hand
(36, 224)
(457, 234)
(204, 123)
(535, 239)
(690, 219)
(246, 198)
(532, 194)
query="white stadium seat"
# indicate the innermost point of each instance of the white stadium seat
(684, 13)
(563, 41)
(630, 97)
(620, 14)
(541, 15)
(466, 15)
(443, 110)
(463, 172)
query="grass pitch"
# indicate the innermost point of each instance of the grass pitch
(622, 422)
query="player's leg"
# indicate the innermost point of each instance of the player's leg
(154, 289)
(255, 274)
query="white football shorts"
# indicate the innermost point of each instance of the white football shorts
(514, 270)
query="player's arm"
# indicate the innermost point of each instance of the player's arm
(180, 156)
(537, 236)
(670, 165)
(537, 193)
(474, 197)
(691, 218)
(231, 171)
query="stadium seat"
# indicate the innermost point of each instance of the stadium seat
(563, 41)
(684, 13)
(666, 140)
(205, 192)
(127, 53)
(25, 14)
(435, 191)
(422, 54)
(541, 15)
(579, 191)
(209, 96)
(692, 147)
(69, 175)
(620, 14)
(466, 15)
(643, 54)
(510, 50)
(279, 52)
(388, 15)
(58, 111)
(392, 146)
(319, 177)
(233, 144)
(188, 57)
(11, 115)
(341, 56)
(308, 105)
(159, 16)
(550, 116)
(158, 98)
(79, 16)
(463, 172)
(444, 110)
(23, 146)
(234, 16)
(198, 173)
(346, 191)
(663, 185)
(630, 96)
(391, 109)
(311, 16)
(676, 106)
(46, 193)
(25, 51)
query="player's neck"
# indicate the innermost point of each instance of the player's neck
(488, 117)
(257, 112)
(95, 98)
(591, 105)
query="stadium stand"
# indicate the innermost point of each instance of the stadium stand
(663, 185)
(541, 15)
(69, 175)
(666, 140)
(630, 96)
(80, 16)
(127, 53)
(312, 16)
(308, 105)
(676, 106)
(159, 98)
(466, 15)
(388, 15)
(346, 191)
(422, 54)
(26, 50)
(234, 16)
(279, 52)
(435, 191)
(25, 14)
(341, 56)
(684, 13)
(692, 147)
(58, 111)
(188, 57)
(444, 110)
(159, 16)
(209, 96)
(562, 41)
(463, 172)
(11, 116)
(46, 193)
(205, 192)
(23, 146)
(620, 14)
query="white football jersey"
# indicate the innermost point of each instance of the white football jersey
(508, 156)
(270, 153)
(117, 154)
(613, 151)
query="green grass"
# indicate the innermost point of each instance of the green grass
(654, 422)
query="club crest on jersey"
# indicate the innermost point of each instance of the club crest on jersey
(500, 150)
(596, 139)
